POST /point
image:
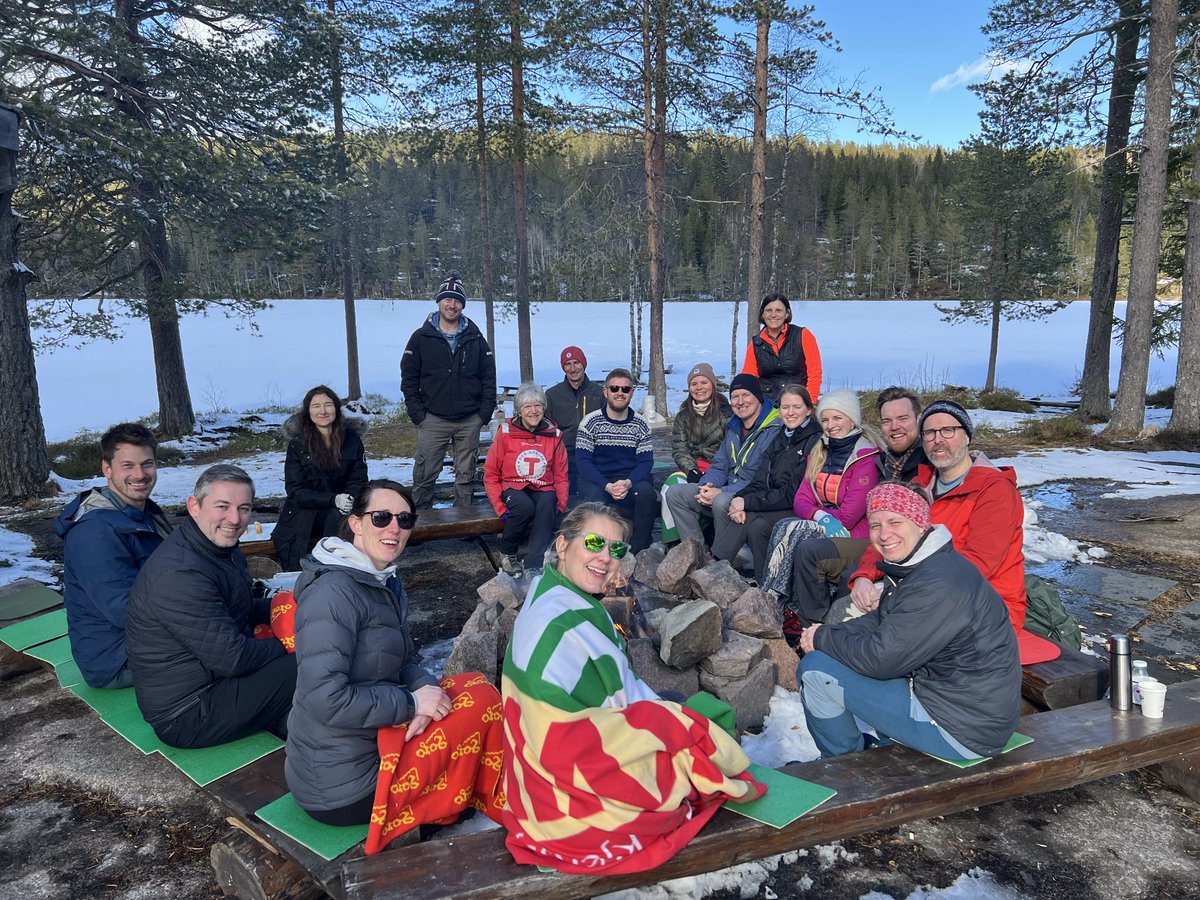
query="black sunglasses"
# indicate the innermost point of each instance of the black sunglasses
(381, 518)
(621, 388)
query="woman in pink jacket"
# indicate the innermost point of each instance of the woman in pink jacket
(525, 475)
(832, 499)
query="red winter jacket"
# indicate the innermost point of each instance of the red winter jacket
(521, 459)
(984, 515)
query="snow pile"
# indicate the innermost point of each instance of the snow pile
(745, 880)
(1143, 475)
(1042, 546)
(784, 737)
(973, 885)
(17, 560)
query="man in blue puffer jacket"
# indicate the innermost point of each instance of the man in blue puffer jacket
(108, 534)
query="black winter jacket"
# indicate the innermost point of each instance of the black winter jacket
(452, 387)
(942, 625)
(190, 622)
(778, 477)
(567, 407)
(354, 661)
(311, 489)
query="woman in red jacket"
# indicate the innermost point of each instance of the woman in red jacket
(783, 353)
(525, 475)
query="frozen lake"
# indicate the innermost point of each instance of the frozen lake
(863, 344)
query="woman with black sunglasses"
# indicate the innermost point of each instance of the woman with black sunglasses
(361, 689)
(602, 775)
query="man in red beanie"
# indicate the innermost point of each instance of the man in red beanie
(569, 401)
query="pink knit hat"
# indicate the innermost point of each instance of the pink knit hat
(891, 496)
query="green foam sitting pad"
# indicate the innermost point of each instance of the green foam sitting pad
(55, 652)
(210, 763)
(103, 700)
(126, 719)
(28, 601)
(1017, 740)
(68, 673)
(37, 630)
(787, 798)
(327, 841)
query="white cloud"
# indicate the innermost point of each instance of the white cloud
(986, 68)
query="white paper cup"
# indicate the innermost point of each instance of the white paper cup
(1154, 696)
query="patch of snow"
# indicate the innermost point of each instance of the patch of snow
(17, 560)
(784, 737)
(745, 879)
(975, 884)
(1157, 474)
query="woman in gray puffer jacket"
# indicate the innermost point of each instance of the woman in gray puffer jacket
(356, 664)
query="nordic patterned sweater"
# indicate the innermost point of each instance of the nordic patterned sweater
(607, 450)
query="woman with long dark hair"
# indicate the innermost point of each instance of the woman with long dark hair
(325, 469)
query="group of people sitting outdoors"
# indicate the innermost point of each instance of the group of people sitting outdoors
(895, 556)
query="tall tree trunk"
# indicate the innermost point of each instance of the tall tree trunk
(24, 466)
(521, 216)
(175, 415)
(345, 247)
(1094, 383)
(485, 227)
(758, 170)
(1186, 414)
(1129, 411)
(993, 348)
(654, 59)
(733, 342)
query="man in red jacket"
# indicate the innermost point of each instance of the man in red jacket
(980, 505)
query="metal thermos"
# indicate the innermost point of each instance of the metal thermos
(1119, 672)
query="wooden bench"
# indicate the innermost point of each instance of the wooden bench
(468, 522)
(876, 789)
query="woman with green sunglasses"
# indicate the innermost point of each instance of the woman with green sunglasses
(601, 773)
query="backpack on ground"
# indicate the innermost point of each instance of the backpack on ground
(1046, 616)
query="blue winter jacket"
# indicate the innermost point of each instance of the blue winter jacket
(738, 456)
(105, 546)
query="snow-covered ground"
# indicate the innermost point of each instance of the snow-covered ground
(300, 343)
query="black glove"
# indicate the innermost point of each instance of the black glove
(694, 475)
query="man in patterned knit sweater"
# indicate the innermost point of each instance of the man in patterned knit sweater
(614, 457)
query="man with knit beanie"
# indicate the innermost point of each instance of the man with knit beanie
(570, 401)
(751, 430)
(980, 505)
(448, 378)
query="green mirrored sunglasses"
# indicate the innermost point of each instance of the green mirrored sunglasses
(595, 543)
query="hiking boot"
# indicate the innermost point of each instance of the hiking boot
(511, 564)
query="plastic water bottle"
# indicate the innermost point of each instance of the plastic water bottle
(1141, 672)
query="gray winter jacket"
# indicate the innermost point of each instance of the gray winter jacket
(355, 666)
(942, 625)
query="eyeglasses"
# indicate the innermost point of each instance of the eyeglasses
(381, 518)
(595, 543)
(946, 432)
(620, 388)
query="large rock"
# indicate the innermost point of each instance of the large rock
(678, 565)
(485, 616)
(750, 697)
(737, 656)
(718, 583)
(689, 633)
(786, 660)
(646, 563)
(644, 658)
(478, 652)
(503, 589)
(755, 614)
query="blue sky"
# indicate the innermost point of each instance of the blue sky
(921, 54)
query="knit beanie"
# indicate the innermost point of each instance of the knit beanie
(950, 408)
(891, 496)
(845, 402)
(704, 370)
(452, 288)
(744, 382)
(570, 353)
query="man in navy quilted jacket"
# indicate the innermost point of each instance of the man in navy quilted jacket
(200, 676)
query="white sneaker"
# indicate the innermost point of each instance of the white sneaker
(511, 564)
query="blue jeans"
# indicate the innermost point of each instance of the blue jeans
(834, 694)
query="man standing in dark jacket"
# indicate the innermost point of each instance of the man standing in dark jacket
(108, 534)
(569, 401)
(448, 378)
(200, 676)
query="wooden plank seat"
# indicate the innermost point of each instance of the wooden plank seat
(1071, 679)
(878, 788)
(468, 522)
